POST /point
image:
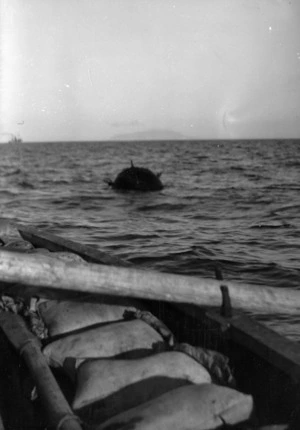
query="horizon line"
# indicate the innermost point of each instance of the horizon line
(194, 139)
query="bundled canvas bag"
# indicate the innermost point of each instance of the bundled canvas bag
(201, 407)
(66, 316)
(114, 386)
(136, 338)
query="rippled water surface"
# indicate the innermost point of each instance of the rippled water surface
(232, 203)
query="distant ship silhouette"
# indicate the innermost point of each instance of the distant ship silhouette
(15, 139)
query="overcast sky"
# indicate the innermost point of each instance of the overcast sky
(93, 69)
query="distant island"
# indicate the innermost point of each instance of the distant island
(151, 135)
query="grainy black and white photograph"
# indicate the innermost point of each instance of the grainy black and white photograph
(149, 214)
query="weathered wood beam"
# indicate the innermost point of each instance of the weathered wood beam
(271, 346)
(54, 243)
(43, 271)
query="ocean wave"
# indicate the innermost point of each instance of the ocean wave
(237, 168)
(271, 224)
(55, 181)
(201, 157)
(251, 273)
(292, 163)
(12, 192)
(12, 172)
(162, 207)
(26, 184)
(288, 209)
(288, 186)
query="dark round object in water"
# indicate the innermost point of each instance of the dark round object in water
(137, 178)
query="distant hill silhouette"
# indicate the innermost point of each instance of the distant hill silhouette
(151, 135)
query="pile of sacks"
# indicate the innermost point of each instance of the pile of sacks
(129, 372)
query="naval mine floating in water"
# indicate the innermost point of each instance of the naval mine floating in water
(137, 179)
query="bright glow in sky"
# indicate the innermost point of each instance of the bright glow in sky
(90, 69)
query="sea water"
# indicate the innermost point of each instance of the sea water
(231, 203)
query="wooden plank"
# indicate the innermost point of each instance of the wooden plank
(271, 346)
(256, 337)
(43, 271)
(54, 243)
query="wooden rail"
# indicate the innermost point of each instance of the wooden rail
(39, 271)
(55, 243)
